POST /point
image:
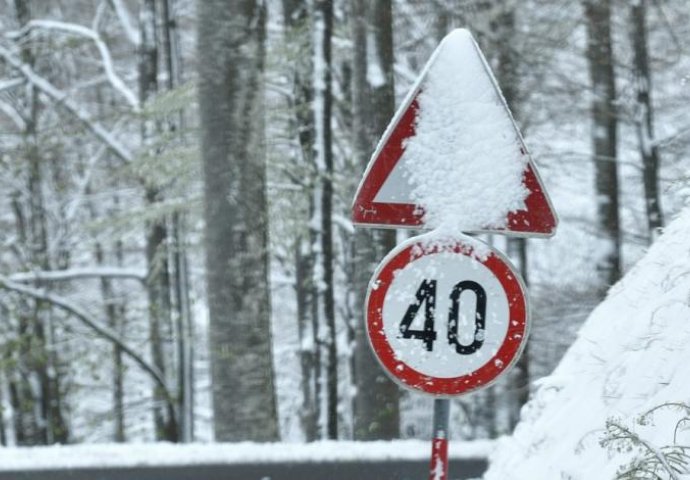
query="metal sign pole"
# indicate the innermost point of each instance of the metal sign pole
(439, 441)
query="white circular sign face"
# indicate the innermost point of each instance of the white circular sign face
(447, 270)
(444, 319)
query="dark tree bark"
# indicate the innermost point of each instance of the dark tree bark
(38, 392)
(231, 55)
(508, 78)
(376, 408)
(644, 119)
(323, 25)
(183, 331)
(604, 138)
(158, 278)
(3, 427)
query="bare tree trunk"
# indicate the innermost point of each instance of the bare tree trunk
(4, 434)
(158, 279)
(508, 77)
(40, 360)
(644, 119)
(604, 137)
(113, 309)
(323, 25)
(376, 406)
(3, 428)
(178, 256)
(299, 37)
(231, 62)
(303, 291)
(184, 332)
(24, 421)
(111, 314)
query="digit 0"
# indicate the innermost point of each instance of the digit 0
(479, 317)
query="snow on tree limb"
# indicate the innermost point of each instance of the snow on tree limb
(78, 274)
(123, 15)
(85, 317)
(62, 100)
(10, 83)
(13, 115)
(617, 432)
(82, 31)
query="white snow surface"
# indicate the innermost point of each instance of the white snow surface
(464, 163)
(631, 355)
(167, 454)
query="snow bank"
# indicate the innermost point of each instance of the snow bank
(166, 454)
(631, 355)
(464, 161)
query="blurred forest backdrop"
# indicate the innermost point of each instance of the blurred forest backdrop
(177, 261)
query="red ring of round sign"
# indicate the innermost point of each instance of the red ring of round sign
(421, 280)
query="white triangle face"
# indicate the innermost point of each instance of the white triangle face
(452, 156)
(465, 143)
(396, 188)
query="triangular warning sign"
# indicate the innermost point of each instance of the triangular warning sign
(385, 197)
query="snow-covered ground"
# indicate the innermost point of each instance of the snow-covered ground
(166, 454)
(622, 390)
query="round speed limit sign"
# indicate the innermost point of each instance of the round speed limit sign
(446, 316)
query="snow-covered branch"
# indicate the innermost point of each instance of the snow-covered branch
(123, 15)
(344, 223)
(82, 31)
(13, 115)
(79, 274)
(87, 319)
(10, 83)
(61, 99)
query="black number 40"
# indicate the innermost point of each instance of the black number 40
(426, 295)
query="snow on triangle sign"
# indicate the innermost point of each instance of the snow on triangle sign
(453, 153)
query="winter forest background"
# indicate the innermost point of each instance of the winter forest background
(177, 261)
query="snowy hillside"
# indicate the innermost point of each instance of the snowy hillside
(631, 356)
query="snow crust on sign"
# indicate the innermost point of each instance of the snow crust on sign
(167, 454)
(464, 162)
(631, 355)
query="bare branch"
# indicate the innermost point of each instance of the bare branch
(78, 274)
(13, 115)
(61, 99)
(126, 22)
(10, 83)
(98, 17)
(82, 31)
(82, 315)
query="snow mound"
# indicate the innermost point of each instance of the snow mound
(631, 356)
(464, 162)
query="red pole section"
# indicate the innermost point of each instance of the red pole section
(439, 443)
